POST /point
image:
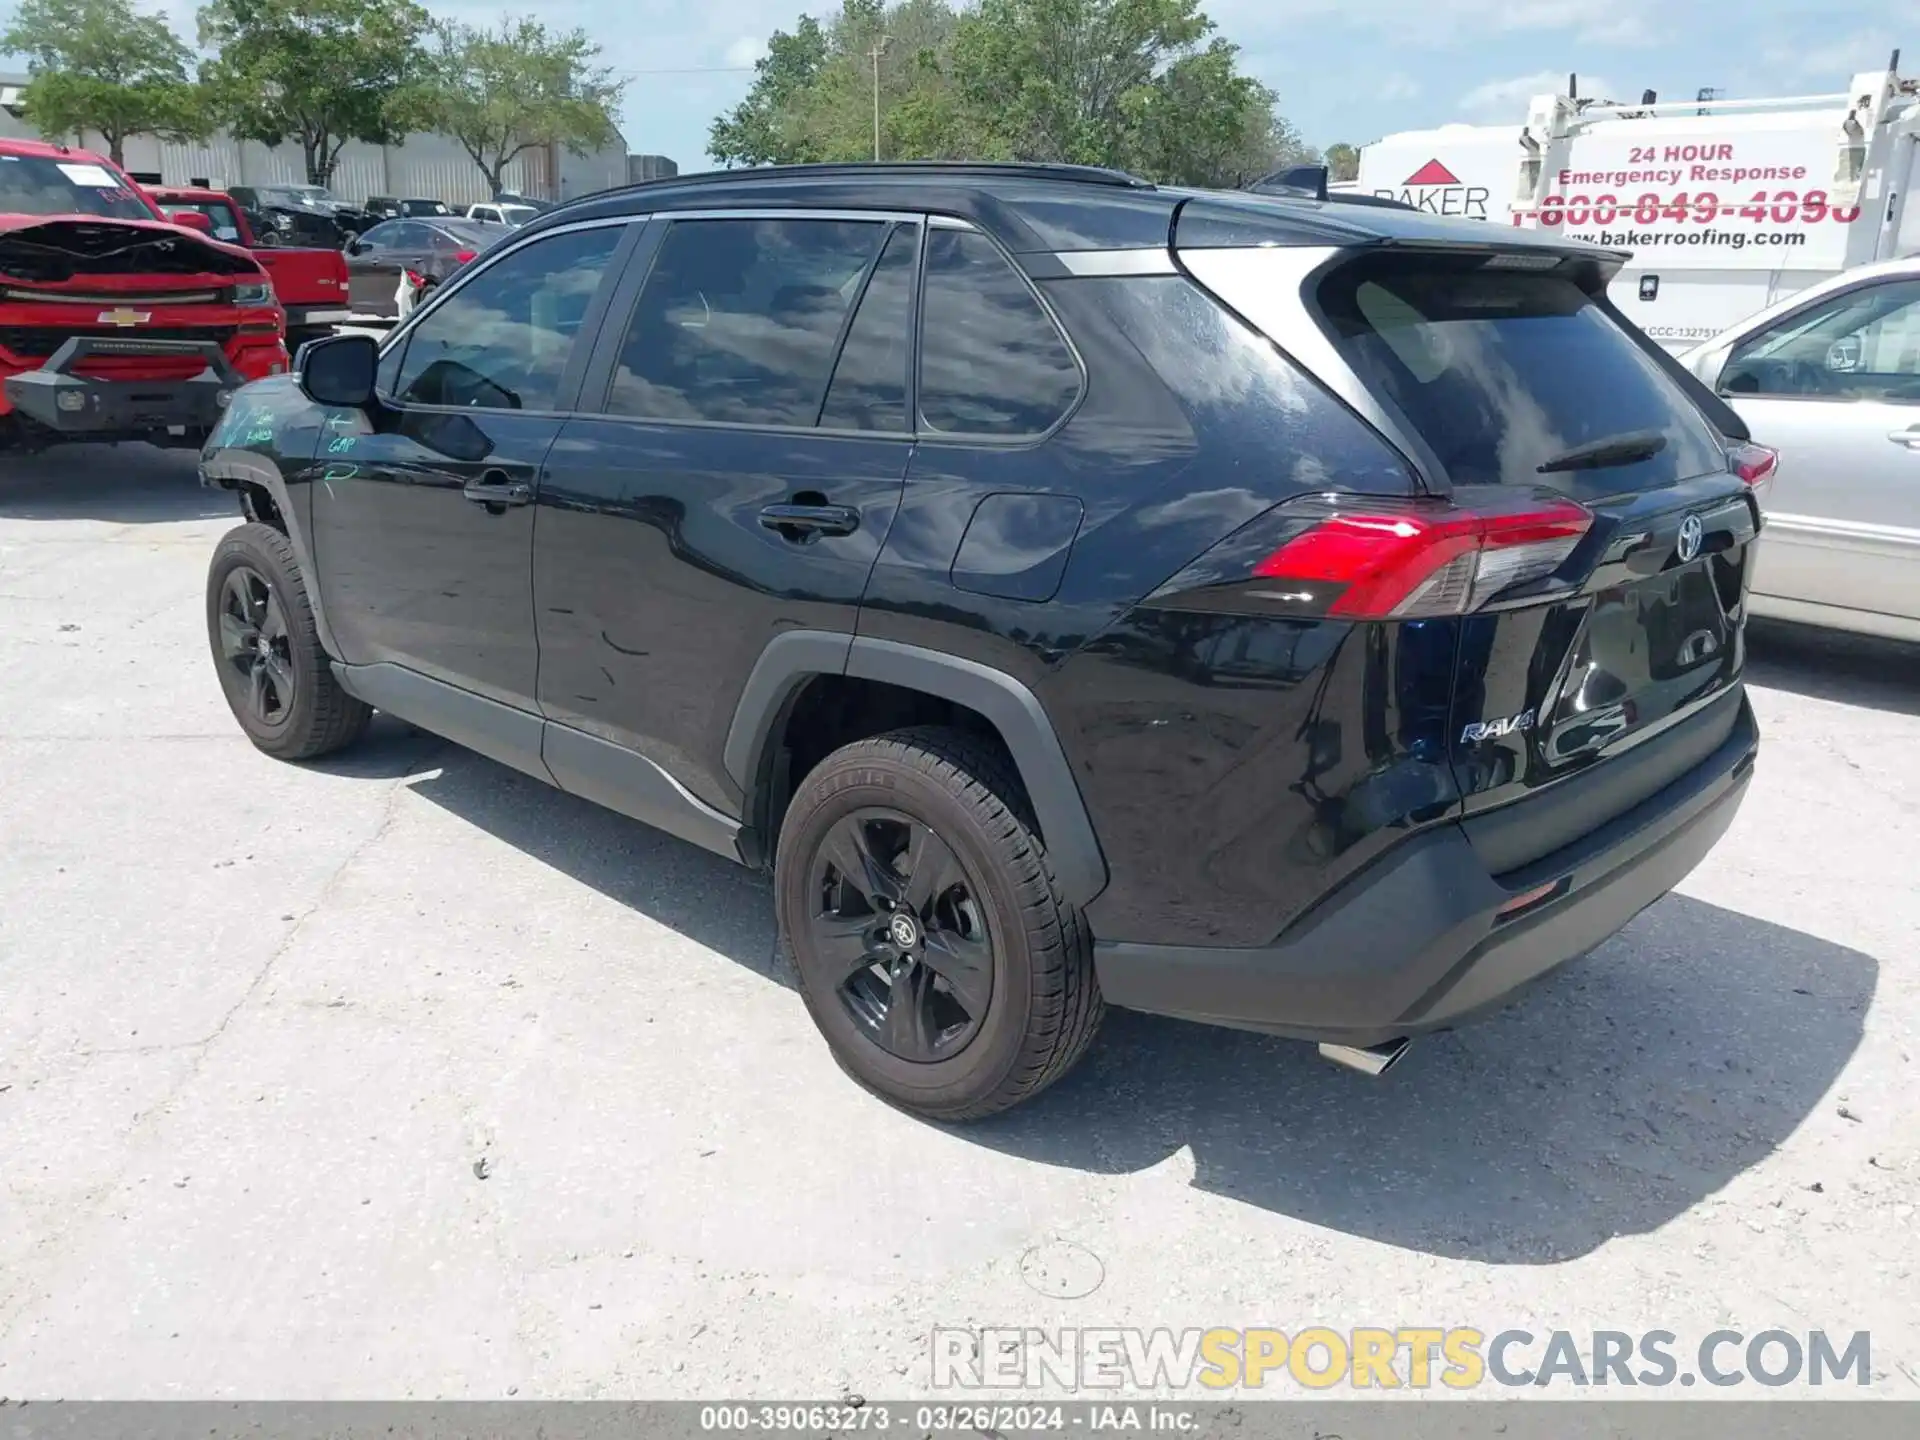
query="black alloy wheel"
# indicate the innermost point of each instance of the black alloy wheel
(897, 921)
(255, 642)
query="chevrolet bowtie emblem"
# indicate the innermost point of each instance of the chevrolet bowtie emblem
(125, 318)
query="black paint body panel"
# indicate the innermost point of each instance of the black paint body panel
(1269, 820)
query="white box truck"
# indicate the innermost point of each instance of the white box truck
(1725, 205)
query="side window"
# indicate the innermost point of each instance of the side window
(1864, 345)
(992, 361)
(383, 236)
(869, 389)
(502, 340)
(738, 320)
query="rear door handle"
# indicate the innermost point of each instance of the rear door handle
(1908, 438)
(496, 490)
(803, 522)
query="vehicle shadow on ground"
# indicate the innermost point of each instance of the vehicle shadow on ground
(122, 484)
(1611, 1098)
(1832, 665)
(721, 905)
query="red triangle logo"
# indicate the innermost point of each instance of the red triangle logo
(1433, 173)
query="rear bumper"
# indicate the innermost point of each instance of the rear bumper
(1416, 942)
(75, 405)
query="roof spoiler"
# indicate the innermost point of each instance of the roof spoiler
(1301, 182)
(1309, 182)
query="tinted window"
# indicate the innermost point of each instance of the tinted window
(219, 214)
(503, 339)
(992, 362)
(869, 390)
(385, 236)
(1501, 372)
(1864, 345)
(739, 318)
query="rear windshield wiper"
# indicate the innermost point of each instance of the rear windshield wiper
(1614, 450)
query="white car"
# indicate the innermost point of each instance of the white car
(1830, 378)
(503, 213)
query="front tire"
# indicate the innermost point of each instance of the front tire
(266, 649)
(935, 951)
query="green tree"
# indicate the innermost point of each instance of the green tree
(101, 65)
(1343, 162)
(317, 72)
(1130, 83)
(813, 96)
(768, 127)
(1140, 84)
(500, 92)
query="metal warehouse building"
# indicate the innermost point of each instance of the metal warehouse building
(432, 166)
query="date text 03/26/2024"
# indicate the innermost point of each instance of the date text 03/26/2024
(963, 1418)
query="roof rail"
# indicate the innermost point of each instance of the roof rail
(864, 169)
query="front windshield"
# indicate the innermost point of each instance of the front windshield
(42, 185)
(517, 214)
(312, 194)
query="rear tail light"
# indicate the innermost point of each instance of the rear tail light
(1754, 464)
(463, 256)
(416, 279)
(1413, 563)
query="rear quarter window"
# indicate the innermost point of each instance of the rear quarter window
(992, 360)
(1501, 372)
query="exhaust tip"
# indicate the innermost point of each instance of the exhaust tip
(1367, 1059)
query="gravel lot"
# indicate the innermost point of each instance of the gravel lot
(259, 1024)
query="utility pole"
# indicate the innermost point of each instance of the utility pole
(874, 55)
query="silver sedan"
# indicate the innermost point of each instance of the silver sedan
(1831, 379)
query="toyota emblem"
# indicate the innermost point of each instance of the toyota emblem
(1692, 532)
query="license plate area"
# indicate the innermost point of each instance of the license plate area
(1647, 649)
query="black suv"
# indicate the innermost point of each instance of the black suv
(1314, 618)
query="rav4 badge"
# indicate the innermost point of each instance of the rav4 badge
(1497, 729)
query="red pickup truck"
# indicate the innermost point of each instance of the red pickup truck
(116, 323)
(311, 284)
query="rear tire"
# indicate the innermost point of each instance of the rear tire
(277, 678)
(993, 965)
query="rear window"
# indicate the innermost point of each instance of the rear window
(1503, 372)
(219, 214)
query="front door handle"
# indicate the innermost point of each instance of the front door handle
(803, 522)
(496, 490)
(1908, 438)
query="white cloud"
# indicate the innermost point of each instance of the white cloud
(747, 50)
(1500, 98)
(1836, 60)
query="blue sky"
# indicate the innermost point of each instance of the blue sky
(1344, 69)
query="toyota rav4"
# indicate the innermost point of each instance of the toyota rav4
(1313, 618)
